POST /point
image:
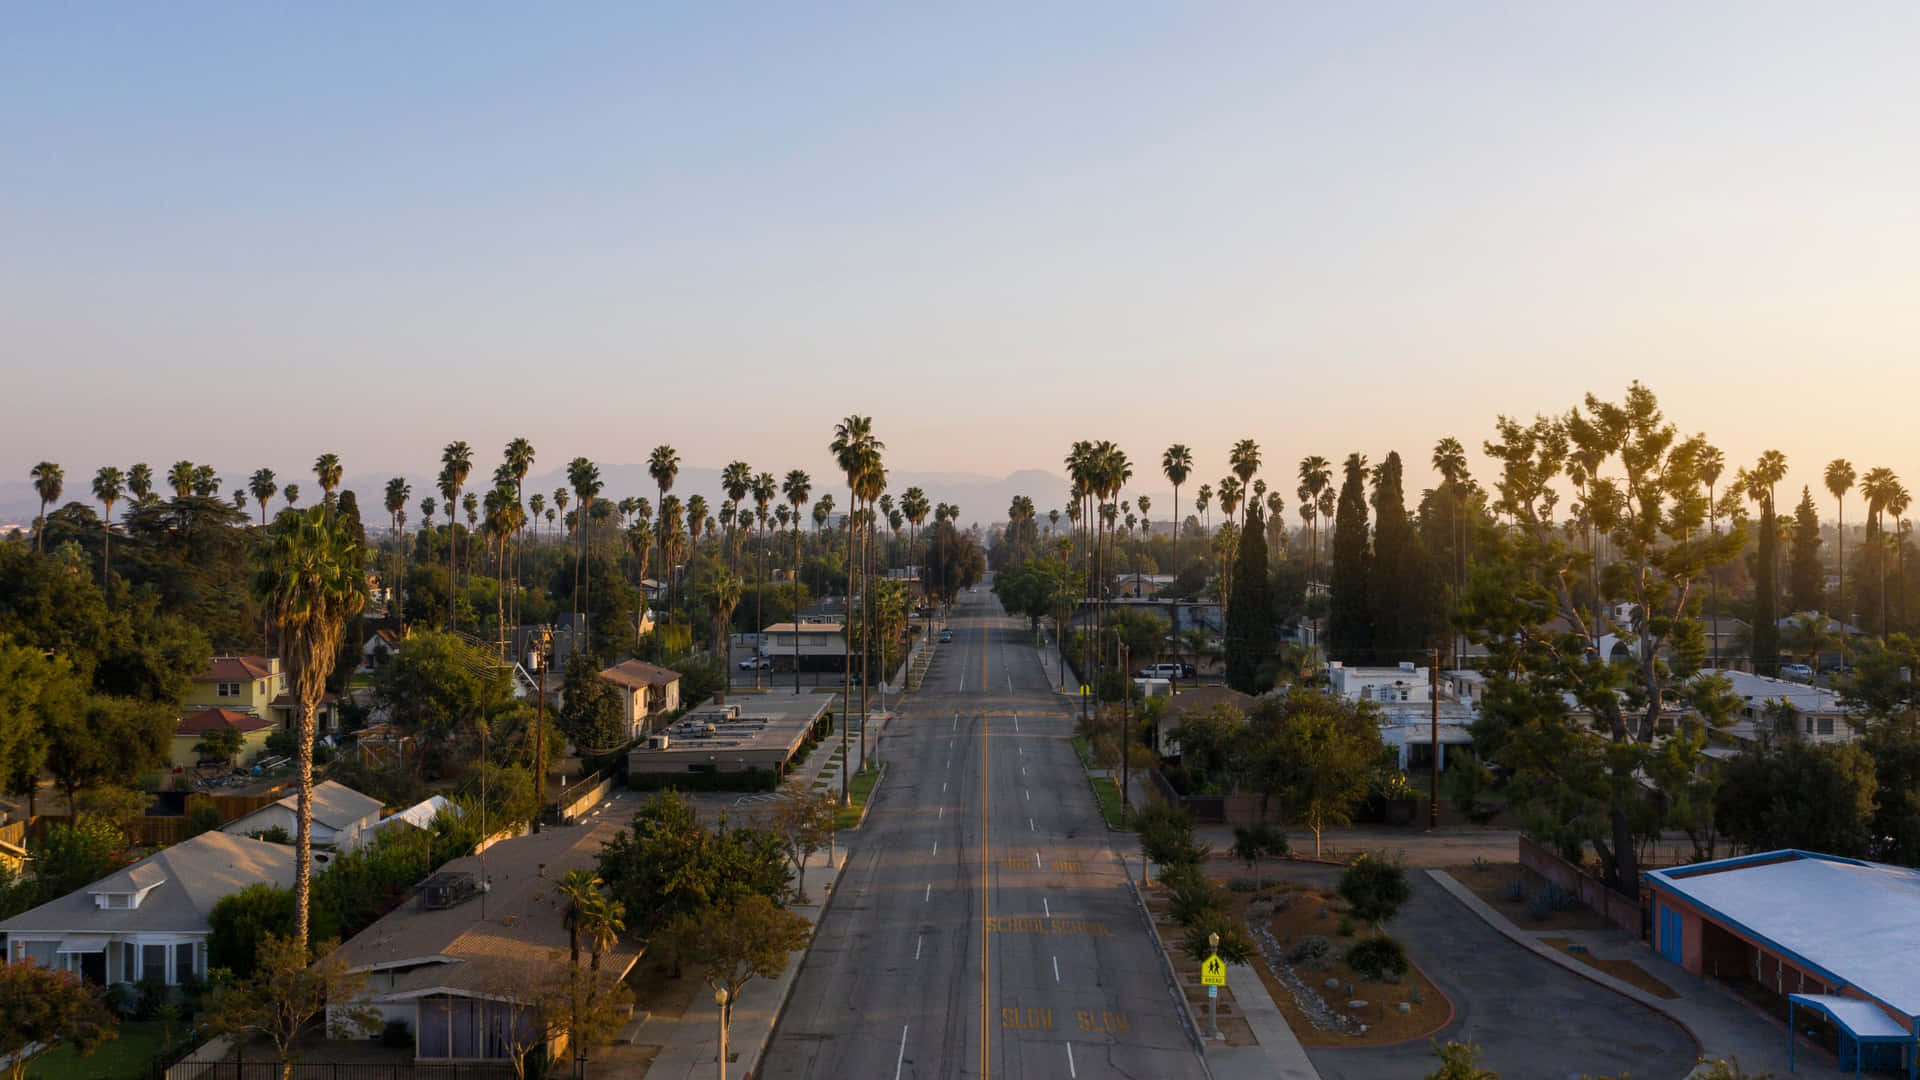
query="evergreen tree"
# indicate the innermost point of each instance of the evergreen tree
(1349, 615)
(1766, 620)
(1398, 591)
(1249, 641)
(1806, 575)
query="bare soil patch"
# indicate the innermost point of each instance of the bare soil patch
(1494, 883)
(1617, 966)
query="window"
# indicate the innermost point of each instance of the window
(1826, 725)
(183, 966)
(153, 962)
(126, 961)
(227, 689)
(1809, 722)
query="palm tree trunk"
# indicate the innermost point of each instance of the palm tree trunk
(452, 576)
(303, 827)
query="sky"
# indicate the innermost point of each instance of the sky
(247, 234)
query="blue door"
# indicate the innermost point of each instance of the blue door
(1670, 933)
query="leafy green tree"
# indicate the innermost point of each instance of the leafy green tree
(1249, 638)
(41, 1008)
(1795, 794)
(1376, 887)
(95, 739)
(1211, 740)
(1349, 615)
(288, 991)
(1252, 843)
(240, 922)
(221, 745)
(1460, 1061)
(804, 822)
(438, 686)
(1317, 760)
(1033, 587)
(744, 939)
(664, 864)
(68, 857)
(1807, 573)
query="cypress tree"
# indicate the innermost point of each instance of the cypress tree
(1806, 575)
(1397, 591)
(1249, 641)
(1766, 625)
(1349, 614)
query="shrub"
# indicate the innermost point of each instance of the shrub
(1236, 945)
(1460, 1061)
(1379, 958)
(1314, 950)
(149, 995)
(1540, 908)
(202, 818)
(276, 834)
(1195, 899)
(396, 1035)
(1516, 890)
(1345, 929)
(1376, 887)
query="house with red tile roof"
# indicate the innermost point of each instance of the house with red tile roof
(195, 726)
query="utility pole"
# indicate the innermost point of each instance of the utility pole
(1126, 731)
(1433, 803)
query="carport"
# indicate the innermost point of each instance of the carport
(1867, 1033)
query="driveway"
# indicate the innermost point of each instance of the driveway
(1531, 1018)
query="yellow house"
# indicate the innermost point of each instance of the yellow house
(645, 692)
(240, 683)
(192, 728)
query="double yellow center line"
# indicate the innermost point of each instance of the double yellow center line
(986, 901)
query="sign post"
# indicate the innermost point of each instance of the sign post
(1213, 975)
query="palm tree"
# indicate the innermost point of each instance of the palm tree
(737, 480)
(720, 589)
(798, 488)
(538, 505)
(1244, 460)
(602, 922)
(309, 573)
(577, 889)
(1840, 477)
(291, 493)
(108, 486)
(1712, 463)
(871, 482)
(856, 451)
(664, 466)
(1176, 464)
(518, 455)
(262, 487)
(326, 469)
(584, 477)
(456, 461)
(140, 482)
(1450, 461)
(640, 542)
(765, 490)
(48, 482)
(180, 478)
(1316, 476)
(398, 492)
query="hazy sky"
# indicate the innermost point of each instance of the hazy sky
(247, 233)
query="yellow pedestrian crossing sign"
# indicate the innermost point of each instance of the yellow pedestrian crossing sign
(1085, 690)
(1213, 972)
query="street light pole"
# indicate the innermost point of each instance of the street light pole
(540, 729)
(720, 999)
(1126, 729)
(1433, 803)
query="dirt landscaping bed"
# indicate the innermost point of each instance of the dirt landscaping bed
(1617, 966)
(1305, 910)
(1232, 1025)
(1495, 883)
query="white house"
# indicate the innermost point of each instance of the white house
(1403, 683)
(341, 816)
(377, 650)
(646, 690)
(150, 920)
(1818, 712)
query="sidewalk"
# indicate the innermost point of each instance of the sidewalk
(1722, 1025)
(689, 1046)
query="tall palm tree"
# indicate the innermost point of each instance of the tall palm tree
(180, 478)
(262, 487)
(456, 461)
(49, 480)
(857, 452)
(1203, 505)
(1712, 463)
(518, 455)
(577, 889)
(537, 503)
(108, 486)
(326, 469)
(1316, 476)
(872, 481)
(737, 480)
(291, 493)
(1176, 464)
(309, 573)
(1768, 472)
(640, 542)
(798, 488)
(1244, 460)
(765, 490)
(664, 466)
(397, 494)
(1450, 461)
(1840, 477)
(584, 477)
(140, 482)
(601, 923)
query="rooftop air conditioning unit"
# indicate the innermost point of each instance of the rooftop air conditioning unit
(659, 742)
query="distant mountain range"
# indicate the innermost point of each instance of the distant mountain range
(982, 499)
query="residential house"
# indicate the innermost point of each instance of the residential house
(646, 691)
(377, 650)
(1818, 714)
(257, 685)
(1405, 682)
(461, 976)
(420, 816)
(342, 817)
(193, 728)
(149, 920)
(1141, 586)
(813, 646)
(1188, 702)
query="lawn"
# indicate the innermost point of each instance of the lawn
(126, 1056)
(861, 787)
(1107, 794)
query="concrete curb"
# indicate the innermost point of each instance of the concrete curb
(1533, 945)
(867, 807)
(1188, 1022)
(786, 989)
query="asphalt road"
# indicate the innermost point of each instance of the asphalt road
(983, 927)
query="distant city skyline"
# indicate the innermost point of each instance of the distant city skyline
(371, 231)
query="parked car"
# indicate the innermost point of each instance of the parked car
(946, 636)
(752, 662)
(1165, 671)
(1796, 671)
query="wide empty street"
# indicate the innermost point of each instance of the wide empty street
(983, 926)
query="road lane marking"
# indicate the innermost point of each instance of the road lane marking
(1029, 795)
(943, 814)
(1056, 969)
(986, 905)
(900, 1059)
(917, 942)
(1072, 1074)
(949, 763)
(956, 726)
(1030, 1018)
(929, 895)
(1036, 859)
(1046, 907)
(1030, 827)
(936, 847)
(1109, 1023)
(943, 787)
(1023, 770)
(1016, 716)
